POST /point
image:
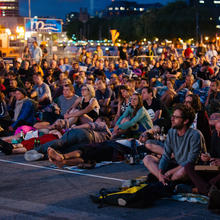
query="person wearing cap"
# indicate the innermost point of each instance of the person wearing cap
(23, 111)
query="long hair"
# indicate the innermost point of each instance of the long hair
(196, 103)
(139, 105)
(125, 87)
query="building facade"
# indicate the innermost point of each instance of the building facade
(127, 8)
(9, 8)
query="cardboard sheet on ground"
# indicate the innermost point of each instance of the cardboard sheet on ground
(75, 168)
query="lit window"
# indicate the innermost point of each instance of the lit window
(135, 9)
(141, 9)
(110, 9)
(201, 2)
(122, 8)
(116, 8)
(216, 2)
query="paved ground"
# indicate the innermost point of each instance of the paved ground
(34, 191)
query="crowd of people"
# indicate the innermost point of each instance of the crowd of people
(92, 108)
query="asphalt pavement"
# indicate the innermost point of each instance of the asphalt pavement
(37, 191)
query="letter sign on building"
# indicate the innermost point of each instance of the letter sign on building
(43, 25)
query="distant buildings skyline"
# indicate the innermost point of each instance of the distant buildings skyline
(9, 8)
(60, 8)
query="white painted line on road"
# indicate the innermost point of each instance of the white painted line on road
(62, 171)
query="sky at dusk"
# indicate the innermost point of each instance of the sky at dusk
(59, 8)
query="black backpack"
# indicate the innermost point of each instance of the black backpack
(141, 196)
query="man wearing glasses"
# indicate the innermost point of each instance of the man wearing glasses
(183, 143)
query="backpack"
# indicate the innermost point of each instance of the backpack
(141, 196)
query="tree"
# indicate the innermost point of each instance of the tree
(174, 20)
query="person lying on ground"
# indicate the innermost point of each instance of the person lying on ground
(86, 156)
(92, 132)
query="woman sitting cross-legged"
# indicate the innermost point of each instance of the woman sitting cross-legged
(85, 109)
(135, 119)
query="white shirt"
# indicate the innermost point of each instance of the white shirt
(37, 54)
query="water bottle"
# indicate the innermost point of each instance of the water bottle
(35, 142)
(21, 136)
(134, 159)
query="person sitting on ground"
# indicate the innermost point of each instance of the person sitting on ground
(92, 132)
(124, 100)
(41, 91)
(4, 115)
(213, 98)
(169, 95)
(135, 119)
(103, 96)
(184, 142)
(185, 88)
(201, 121)
(64, 103)
(24, 110)
(88, 109)
(151, 104)
(204, 181)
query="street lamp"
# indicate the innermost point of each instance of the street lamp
(29, 8)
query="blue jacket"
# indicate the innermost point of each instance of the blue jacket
(26, 114)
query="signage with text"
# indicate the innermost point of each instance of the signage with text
(43, 25)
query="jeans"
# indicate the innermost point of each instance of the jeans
(68, 142)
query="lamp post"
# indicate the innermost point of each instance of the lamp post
(29, 8)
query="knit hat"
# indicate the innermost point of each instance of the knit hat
(21, 90)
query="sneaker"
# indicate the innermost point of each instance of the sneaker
(183, 188)
(33, 155)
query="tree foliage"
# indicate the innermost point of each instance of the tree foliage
(174, 20)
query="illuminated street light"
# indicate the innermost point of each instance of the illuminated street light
(29, 8)
(8, 31)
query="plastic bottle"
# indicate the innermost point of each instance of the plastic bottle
(21, 136)
(35, 142)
